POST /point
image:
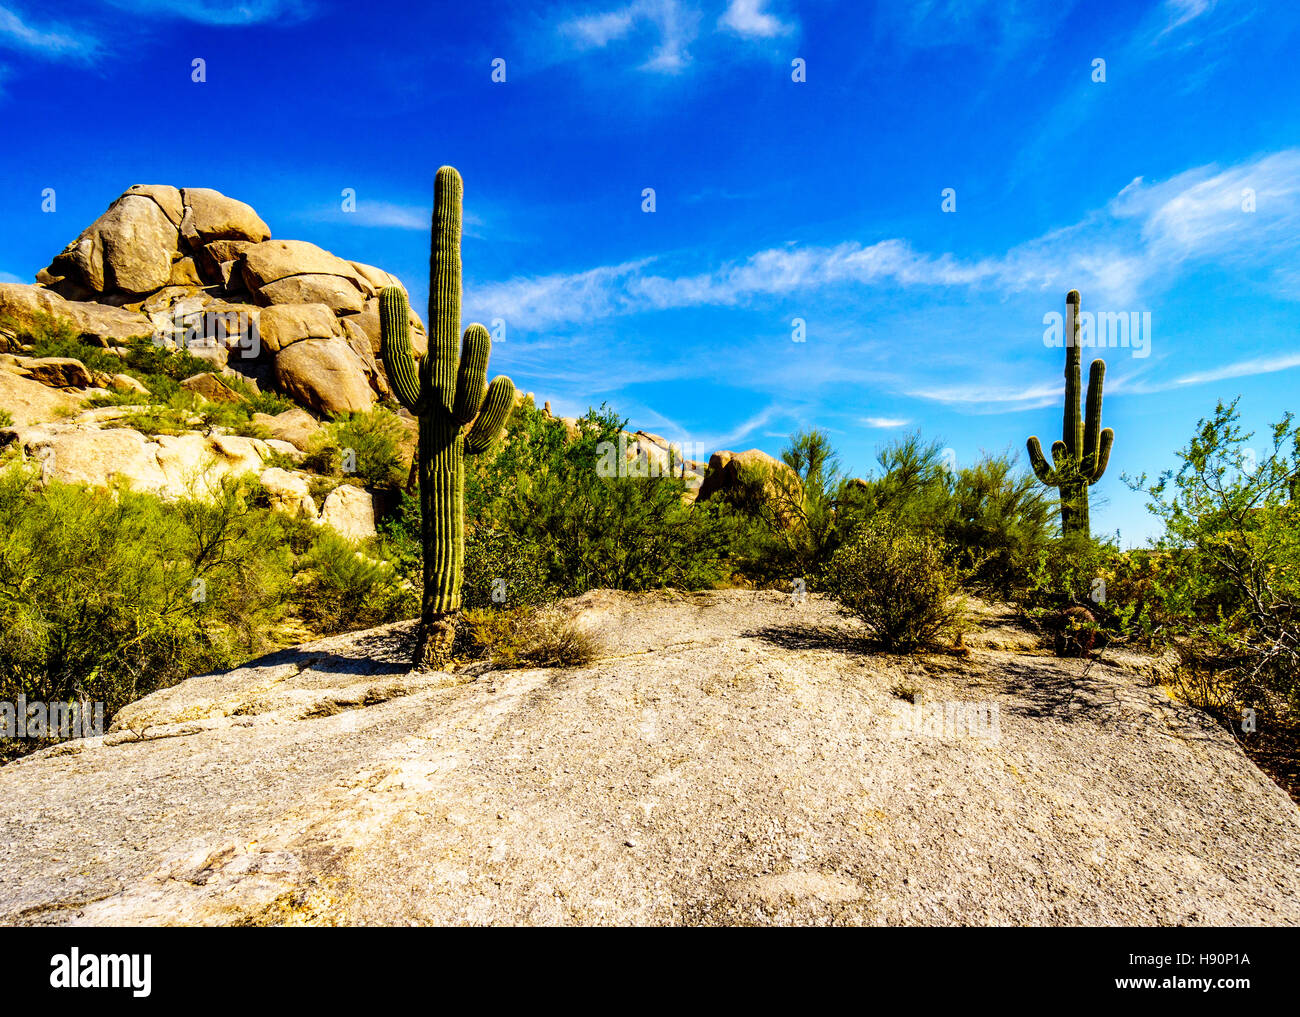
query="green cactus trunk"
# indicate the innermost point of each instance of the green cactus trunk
(445, 393)
(1079, 459)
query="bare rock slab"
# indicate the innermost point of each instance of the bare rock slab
(730, 758)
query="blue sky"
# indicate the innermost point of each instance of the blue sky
(775, 199)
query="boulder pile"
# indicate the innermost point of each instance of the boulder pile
(196, 269)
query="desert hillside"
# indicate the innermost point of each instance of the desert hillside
(728, 757)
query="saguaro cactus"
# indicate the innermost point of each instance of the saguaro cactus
(1080, 458)
(445, 393)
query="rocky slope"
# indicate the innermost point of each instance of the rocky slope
(730, 758)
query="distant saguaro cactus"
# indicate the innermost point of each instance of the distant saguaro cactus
(444, 393)
(1080, 458)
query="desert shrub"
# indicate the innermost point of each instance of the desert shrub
(258, 400)
(914, 487)
(897, 581)
(108, 595)
(628, 533)
(6, 418)
(501, 564)
(372, 438)
(788, 524)
(993, 521)
(1126, 591)
(340, 588)
(180, 412)
(538, 637)
(112, 594)
(998, 523)
(249, 428)
(159, 368)
(990, 519)
(49, 336)
(1068, 571)
(152, 362)
(1229, 573)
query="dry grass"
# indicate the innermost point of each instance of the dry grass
(515, 637)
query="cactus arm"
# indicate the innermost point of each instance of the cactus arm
(471, 379)
(1039, 462)
(1103, 455)
(497, 404)
(395, 348)
(1092, 423)
(1064, 461)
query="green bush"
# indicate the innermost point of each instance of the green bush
(1228, 573)
(257, 400)
(111, 594)
(374, 439)
(991, 520)
(998, 524)
(114, 594)
(626, 533)
(340, 588)
(6, 419)
(788, 524)
(504, 569)
(897, 581)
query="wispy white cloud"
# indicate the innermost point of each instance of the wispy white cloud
(884, 423)
(9, 277)
(390, 216)
(673, 25)
(1003, 28)
(50, 41)
(743, 430)
(980, 397)
(750, 19)
(1241, 369)
(385, 215)
(222, 12)
(1141, 241)
(1181, 12)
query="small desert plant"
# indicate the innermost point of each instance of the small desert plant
(1074, 633)
(898, 583)
(257, 400)
(539, 637)
(365, 445)
(6, 419)
(905, 690)
(341, 589)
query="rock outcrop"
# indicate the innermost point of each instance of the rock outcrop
(727, 759)
(87, 448)
(194, 268)
(753, 473)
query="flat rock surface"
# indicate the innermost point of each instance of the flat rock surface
(729, 758)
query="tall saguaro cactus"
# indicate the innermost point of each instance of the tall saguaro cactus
(1080, 458)
(445, 393)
